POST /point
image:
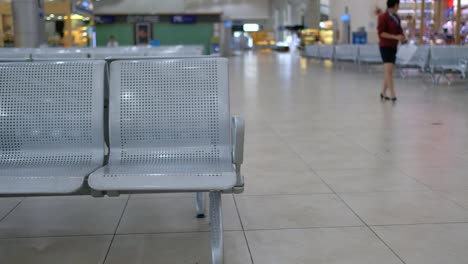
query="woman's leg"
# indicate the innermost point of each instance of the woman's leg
(385, 86)
(389, 78)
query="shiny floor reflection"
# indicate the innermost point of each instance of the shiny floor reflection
(333, 175)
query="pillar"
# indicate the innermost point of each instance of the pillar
(226, 36)
(458, 23)
(312, 14)
(1, 30)
(28, 22)
(423, 22)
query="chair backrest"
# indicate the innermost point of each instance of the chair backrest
(420, 57)
(346, 52)
(326, 51)
(168, 111)
(447, 55)
(118, 52)
(369, 51)
(12, 54)
(51, 114)
(181, 50)
(312, 51)
(60, 54)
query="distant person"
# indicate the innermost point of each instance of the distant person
(112, 42)
(390, 34)
(464, 32)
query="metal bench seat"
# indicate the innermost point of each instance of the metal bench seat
(51, 126)
(369, 54)
(346, 53)
(170, 130)
(168, 118)
(44, 180)
(174, 178)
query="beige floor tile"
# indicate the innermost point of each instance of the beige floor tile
(391, 208)
(356, 245)
(262, 183)
(7, 204)
(54, 250)
(294, 211)
(444, 179)
(45, 217)
(165, 215)
(427, 244)
(370, 180)
(176, 248)
(460, 197)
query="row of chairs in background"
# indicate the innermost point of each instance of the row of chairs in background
(25, 54)
(169, 129)
(437, 61)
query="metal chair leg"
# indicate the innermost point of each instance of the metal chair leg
(216, 222)
(200, 205)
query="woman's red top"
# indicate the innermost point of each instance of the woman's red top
(391, 24)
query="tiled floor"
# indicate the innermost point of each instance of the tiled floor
(333, 176)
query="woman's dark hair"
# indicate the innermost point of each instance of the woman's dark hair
(392, 3)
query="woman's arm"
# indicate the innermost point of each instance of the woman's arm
(391, 36)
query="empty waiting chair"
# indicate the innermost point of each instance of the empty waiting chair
(170, 131)
(447, 59)
(369, 54)
(327, 52)
(51, 126)
(346, 53)
(312, 51)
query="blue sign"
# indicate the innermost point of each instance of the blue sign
(345, 18)
(84, 7)
(105, 19)
(183, 19)
(359, 37)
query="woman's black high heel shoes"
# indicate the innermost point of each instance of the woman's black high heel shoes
(382, 97)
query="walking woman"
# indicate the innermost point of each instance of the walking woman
(390, 34)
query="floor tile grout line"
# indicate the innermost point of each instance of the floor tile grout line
(243, 229)
(435, 191)
(52, 236)
(339, 197)
(345, 193)
(397, 167)
(12, 209)
(372, 230)
(234, 231)
(115, 230)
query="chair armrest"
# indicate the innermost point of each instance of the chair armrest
(237, 134)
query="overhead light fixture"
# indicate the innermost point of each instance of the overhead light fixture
(251, 27)
(76, 16)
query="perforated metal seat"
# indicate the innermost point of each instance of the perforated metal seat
(180, 177)
(326, 52)
(447, 59)
(170, 131)
(169, 127)
(346, 52)
(51, 126)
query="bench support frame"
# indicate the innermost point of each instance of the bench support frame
(216, 224)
